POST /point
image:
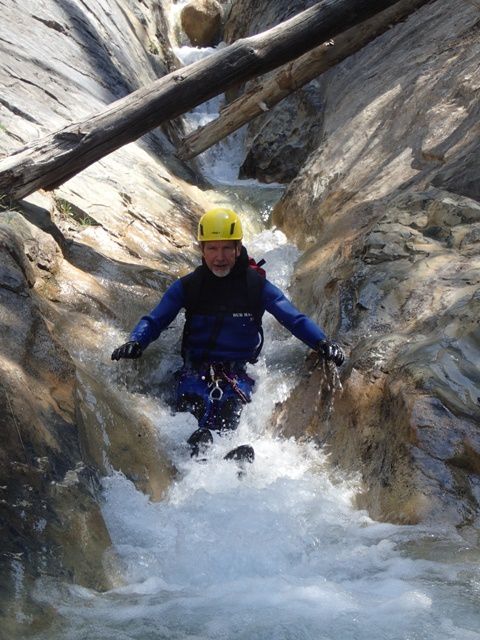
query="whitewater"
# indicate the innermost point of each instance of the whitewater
(279, 553)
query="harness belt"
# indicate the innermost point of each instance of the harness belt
(218, 373)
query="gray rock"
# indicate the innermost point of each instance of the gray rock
(406, 303)
(388, 123)
(40, 440)
(249, 17)
(279, 143)
(78, 266)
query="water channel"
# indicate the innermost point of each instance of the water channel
(279, 554)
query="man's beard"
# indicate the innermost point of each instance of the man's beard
(221, 273)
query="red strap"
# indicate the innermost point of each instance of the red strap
(257, 267)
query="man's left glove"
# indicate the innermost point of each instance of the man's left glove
(131, 350)
(331, 351)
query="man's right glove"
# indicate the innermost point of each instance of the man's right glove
(131, 350)
(331, 351)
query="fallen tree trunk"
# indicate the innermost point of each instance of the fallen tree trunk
(50, 161)
(291, 77)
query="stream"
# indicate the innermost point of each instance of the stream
(279, 553)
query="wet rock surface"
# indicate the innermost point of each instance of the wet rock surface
(401, 293)
(40, 443)
(392, 265)
(78, 266)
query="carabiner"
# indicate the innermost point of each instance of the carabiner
(216, 393)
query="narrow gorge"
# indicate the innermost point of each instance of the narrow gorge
(360, 516)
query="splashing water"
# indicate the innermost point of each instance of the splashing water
(330, 384)
(212, 161)
(280, 553)
(220, 163)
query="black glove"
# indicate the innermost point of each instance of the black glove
(331, 351)
(131, 350)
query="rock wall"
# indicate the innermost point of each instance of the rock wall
(249, 17)
(387, 208)
(78, 266)
(401, 113)
(404, 301)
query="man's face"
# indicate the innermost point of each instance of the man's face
(220, 256)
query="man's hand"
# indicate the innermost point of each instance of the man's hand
(331, 351)
(130, 350)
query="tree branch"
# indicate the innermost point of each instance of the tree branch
(291, 77)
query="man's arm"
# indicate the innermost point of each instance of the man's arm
(150, 326)
(290, 317)
(300, 325)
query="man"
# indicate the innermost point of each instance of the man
(224, 300)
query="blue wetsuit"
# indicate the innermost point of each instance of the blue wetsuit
(223, 329)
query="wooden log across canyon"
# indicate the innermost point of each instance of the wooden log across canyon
(50, 161)
(291, 77)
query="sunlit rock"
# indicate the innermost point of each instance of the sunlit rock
(392, 266)
(78, 267)
(201, 20)
(40, 440)
(401, 293)
(390, 112)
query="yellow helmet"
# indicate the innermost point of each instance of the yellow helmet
(219, 224)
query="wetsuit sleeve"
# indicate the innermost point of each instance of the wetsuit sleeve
(290, 317)
(150, 326)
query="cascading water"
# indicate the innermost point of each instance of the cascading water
(278, 554)
(213, 161)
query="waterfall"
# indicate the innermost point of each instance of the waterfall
(278, 554)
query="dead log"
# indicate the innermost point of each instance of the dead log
(50, 161)
(291, 77)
